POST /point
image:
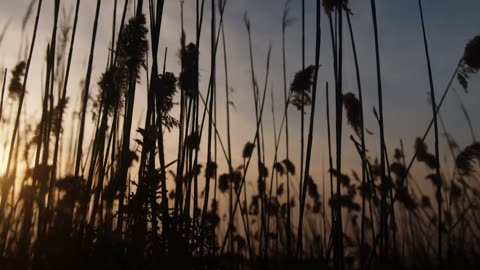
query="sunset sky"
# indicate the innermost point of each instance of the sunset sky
(450, 25)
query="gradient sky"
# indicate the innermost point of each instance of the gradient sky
(450, 25)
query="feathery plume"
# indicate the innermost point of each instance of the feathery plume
(188, 76)
(301, 87)
(165, 93)
(289, 166)
(112, 83)
(248, 150)
(133, 45)
(353, 108)
(423, 155)
(15, 87)
(279, 168)
(470, 62)
(465, 160)
(330, 5)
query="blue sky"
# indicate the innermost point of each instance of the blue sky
(450, 24)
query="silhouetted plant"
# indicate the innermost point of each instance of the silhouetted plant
(248, 150)
(437, 181)
(224, 182)
(192, 141)
(312, 188)
(188, 77)
(406, 199)
(167, 89)
(133, 45)
(331, 5)
(278, 167)
(301, 87)
(470, 62)
(112, 85)
(466, 159)
(455, 192)
(15, 87)
(353, 108)
(425, 202)
(289, 166)
(210, 170)
(423, 155)
(400, 171)
(212, 215)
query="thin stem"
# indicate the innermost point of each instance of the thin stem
(437, 150)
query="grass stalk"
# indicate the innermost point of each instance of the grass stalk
(437, 148)
(306, 176)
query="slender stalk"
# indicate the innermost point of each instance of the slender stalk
(210, 115)
(259, 138)
(63, 101)
(157, 19)
(182, 128)
(362, 137)
(125, 149)
(330, 163)
(229, 143)
(383, 215)
(84, 106)
(338, 242)
(302, 116)
(199, 22)
(3, 92)
(306, 177)
(285, 22)
(437, 149)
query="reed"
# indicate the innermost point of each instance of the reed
(110, 193)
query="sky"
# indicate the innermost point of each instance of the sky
(450, 25)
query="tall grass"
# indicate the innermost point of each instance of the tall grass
(111, 196)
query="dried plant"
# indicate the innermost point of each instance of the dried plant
(301, 87)
(15, 87)
(188, 77)
(224, 182)
(289, 166)
(112, 84)
(470, 62)
(353, 108)
(165, 94)
(210, 170)
(248, 150)
(466, 159)
(133, 45)
(423, 155)
(330, 5)
(278, 167)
